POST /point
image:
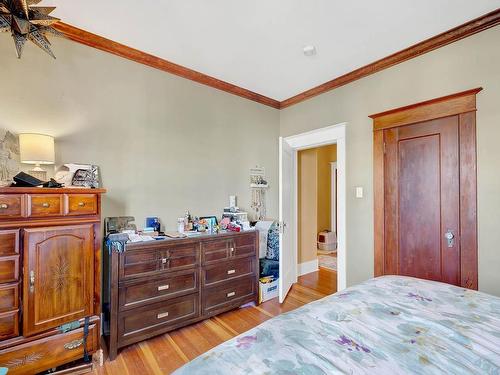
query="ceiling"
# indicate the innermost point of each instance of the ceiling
(258, 44)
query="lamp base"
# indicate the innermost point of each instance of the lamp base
(38, 173)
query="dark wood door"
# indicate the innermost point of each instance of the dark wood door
(58, 276)
(422, 200)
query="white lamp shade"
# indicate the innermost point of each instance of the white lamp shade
(36, 148)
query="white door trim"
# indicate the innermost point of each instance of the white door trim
(333, 195)
(320, 137)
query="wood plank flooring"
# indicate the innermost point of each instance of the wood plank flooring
(163, 354)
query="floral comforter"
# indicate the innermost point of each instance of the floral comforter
(387, 325)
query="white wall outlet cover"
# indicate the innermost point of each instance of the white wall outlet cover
(359, 192)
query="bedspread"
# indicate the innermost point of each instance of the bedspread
(387, 325)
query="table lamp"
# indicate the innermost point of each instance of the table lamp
(37, 149)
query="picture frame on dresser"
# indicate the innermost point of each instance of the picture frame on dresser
(50, 269)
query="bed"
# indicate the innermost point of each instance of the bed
(387, 325)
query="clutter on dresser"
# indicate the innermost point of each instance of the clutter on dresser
(78, 175)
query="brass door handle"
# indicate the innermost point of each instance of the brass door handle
(32, 281)
(230, 272)
(73, 344)
(81, 204)
(163, 287)
(4, 206)
(45, 205)
(231, 294)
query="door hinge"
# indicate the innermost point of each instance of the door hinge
(384, 148)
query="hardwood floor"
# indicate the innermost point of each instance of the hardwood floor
(163, 354)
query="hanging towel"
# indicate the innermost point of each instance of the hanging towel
(263, 228)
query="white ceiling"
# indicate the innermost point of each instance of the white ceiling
(257, 44)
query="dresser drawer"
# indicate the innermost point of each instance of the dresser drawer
(9, 242)
(9, 269)
(244, 245)
(52, 351)
(142, 262)
(229, 293)
(45, 205)
(9, 297)
(158, 315)
(11, 206)
(156, 289)
(9, 325)
(81, 204)
(229, 270)
(215, 251)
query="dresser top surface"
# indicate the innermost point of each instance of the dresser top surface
(41, 190)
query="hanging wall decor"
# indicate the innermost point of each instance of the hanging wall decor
(259, 185)
(27, 22)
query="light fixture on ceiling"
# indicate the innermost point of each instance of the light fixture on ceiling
(309, 50)
(25, 21)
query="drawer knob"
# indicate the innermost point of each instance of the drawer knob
(45, 205)
(73, 344)
(231, 294)
(81, 204)
(4, 206)
(162, 315)
(230, 272)
(163, 287)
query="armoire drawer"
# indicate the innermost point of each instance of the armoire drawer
(35, 356)
(158, 315)
(45, 205)
(80, 204)
(9, 269)
(9, 325)
(9, 242)
(228, 270)
(11, 206)
(152, 290)
(9, 297)
(228, 293)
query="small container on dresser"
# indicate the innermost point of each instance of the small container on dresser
(159, 286)
(49, 276)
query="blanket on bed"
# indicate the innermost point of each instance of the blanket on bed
(387, 325)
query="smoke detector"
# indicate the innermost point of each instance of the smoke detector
(309, 50)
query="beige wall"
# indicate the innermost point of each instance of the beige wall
(307, 220)
(314, 194)
(469, 63)
(164, 144)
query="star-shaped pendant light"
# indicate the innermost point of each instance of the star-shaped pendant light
(27, 22)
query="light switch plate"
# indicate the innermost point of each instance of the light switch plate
(359, 192)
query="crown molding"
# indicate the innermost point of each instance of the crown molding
(467, 29)
(107, 45)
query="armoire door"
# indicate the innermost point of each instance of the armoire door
(422, 200)
(58, 276)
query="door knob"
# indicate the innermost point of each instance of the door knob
(449, 237)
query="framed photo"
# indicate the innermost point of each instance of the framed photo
(210, 219)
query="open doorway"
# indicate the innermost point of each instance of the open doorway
(316, 198)
(288, 202)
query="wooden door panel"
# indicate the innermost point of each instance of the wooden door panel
(419, 208)
(422, 200)
(58, 276)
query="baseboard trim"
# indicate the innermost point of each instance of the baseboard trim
(307, 267)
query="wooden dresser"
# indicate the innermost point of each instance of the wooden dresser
(50, 248)
(159, 286)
